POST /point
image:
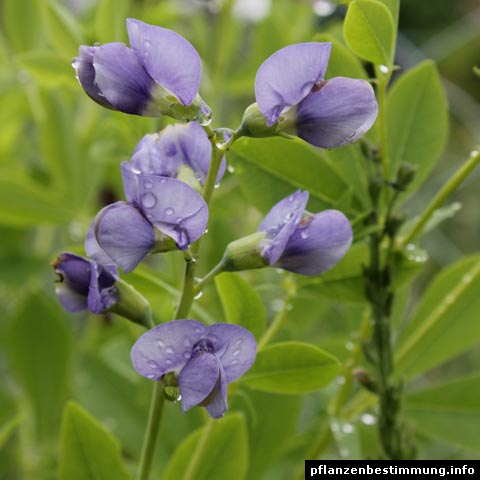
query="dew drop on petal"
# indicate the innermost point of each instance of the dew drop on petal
(152, 364)
(187, 355)
(163, 180)
(236, 352)
(198, 295)
(169, 350)
(97, 44)
(169, 211)
(149, 200)
(233, 362)
(148, 185)
(151, 376)
(304, 234)
(160, 344)
(239, 341)
(147, 44)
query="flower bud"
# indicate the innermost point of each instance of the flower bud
(254, 124)
(245, 253)
(405, 175)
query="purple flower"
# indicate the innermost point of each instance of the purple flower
(202, 360)
(175, 148)
(301, 242)
(293, 96)
(159, 74)
(84, 284)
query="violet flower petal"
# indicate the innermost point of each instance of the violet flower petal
(198, 379)
(72, 287)
(166, 347)
(121, 79)
(176, 209)
(280, 222)
(83, 65)
(168, 58)
(287, 77)
(318, 244)
(102, 294)
(94, 250)
(234, 346)
(219, 403)
(124, 234)
(339, 113)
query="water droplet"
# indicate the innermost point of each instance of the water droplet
(349, 345)
(198, 295)
(145, 54)
(187, 355)
(160, 344)
(340, 380)
(335, 426)
(474, 153)
(75, 63)
(168, 362)
(383, 69)
(233, 362)
(288, 216)
(239, 341)
(136, 170)
(152, 364)
(467, 278)
(187, 342)
(368, 419)
(217, 185)
(148, 185)
(347, 428)
(306, 89)
(97, 44)
(236, 352)
(147, 44)
(149, 200)
(304, 234)
(205, 231)
(163, 180)
(169, 350)
(277, 305)
(172, 393)
(169, 211)
(151, 376)
(231, 169)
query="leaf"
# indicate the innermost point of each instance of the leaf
(87, 450)
(48, 68)
(292, 368)
(63, 30)
(449, 411)
(417, 120)
(445, 322)
(393, 6)
(369, 31)
(24, 202)
(38, 345)
(8, 428)
(269, 169)
(241, 303)
(110, 18)
(216, 452)
(342, 62)
(20, 20)
(345, 282)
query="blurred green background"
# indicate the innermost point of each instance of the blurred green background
(59, 163)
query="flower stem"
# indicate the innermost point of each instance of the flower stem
(275, 326)
(151, 434)
(444, 193)
(199, 449)
(209, 276)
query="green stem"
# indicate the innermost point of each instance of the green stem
(276, 325)
(209, 276)
(151, 434)
(382, 82)
(444, 193)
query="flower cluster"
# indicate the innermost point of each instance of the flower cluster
(166, 201)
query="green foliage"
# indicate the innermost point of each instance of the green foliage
(417, 128)
(217, 451)
(87, 450)
(271, 168)
(241, 303)
(370, 32)
(444, 322)
(291, 368)
(449, 411)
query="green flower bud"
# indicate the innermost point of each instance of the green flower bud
(131, 304)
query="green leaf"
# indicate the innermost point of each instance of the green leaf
(445, 322)
(345, 282)
(292, 368)
(369, 31)
(38, 345)
(8, 428)
(48, 68)
(110, 18)
(87, 450)
(417, 120)
(450, 411)
(20, 20)
(24, 202)
(393, 6)
(216, 452)
(241, 303)
(342, 62)
(269, 169)
(62, 28)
